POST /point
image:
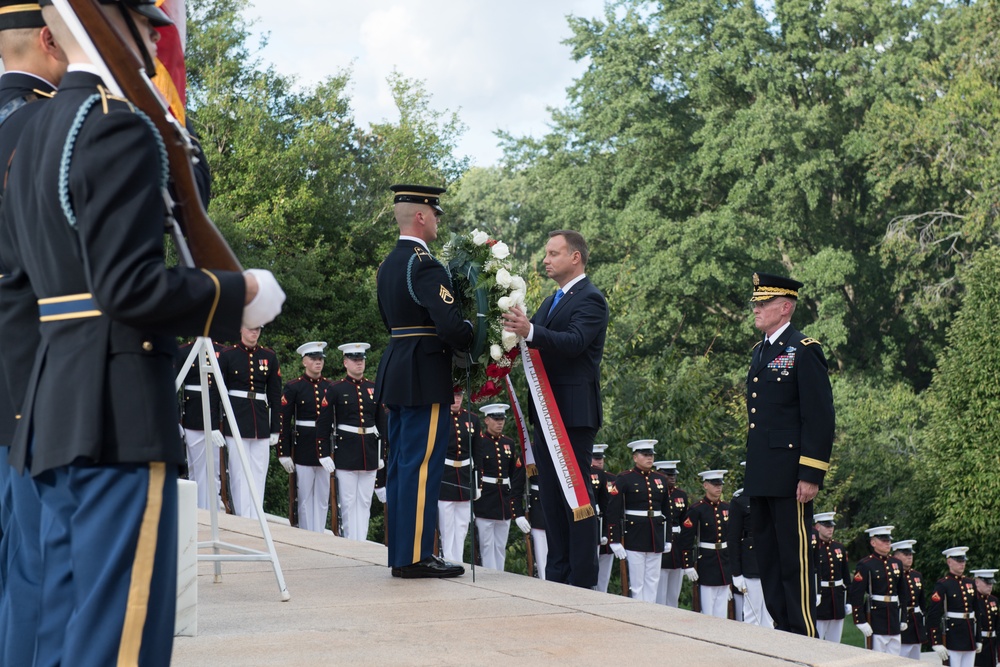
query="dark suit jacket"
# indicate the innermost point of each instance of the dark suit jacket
(416, 367)
(102, 387)
(791, 417)
(571, 343)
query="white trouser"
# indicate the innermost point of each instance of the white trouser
(911, 651)
(493, 542)
(643, 574)
(453, 526)
(754, 609)
(198, 466)
(312, 491)
(540, 544)
(961, 658)
(889, 644)
(669, 590)
(715, 601)
(258, 456)
(831, 631)
(354, 491)
(604, 563)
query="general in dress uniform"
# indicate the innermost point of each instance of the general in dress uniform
(833, 574)
(915, 633)
(989, 613)
(601, 483)
(672, 564)
(640, 506)
(420, 312)
(877, 594)
(82, 227)
(252, 377)
(192, 417)
(501, 480)
(789, 442)
(954, 613)
(301, 450)
(357, 450)
(743, 562)
(706, 550)
(454, 503)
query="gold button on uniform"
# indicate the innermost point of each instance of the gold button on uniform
(752, 425)
(147, 346)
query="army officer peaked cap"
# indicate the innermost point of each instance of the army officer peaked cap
(419, 194)
(15, 14)
(767, 287)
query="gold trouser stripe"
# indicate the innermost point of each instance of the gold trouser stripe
(804, 578)
(215, 303)
(814, 463)
(142, 569)
(418, 530)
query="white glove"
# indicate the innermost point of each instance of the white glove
(865, 629)
(327, 464)
(287, 463)
(668, 547)
(274, 439)
(523, 524)
(604, 541)
(618, 549)
(691, 574)
(218, 439)
(479, 492)
(941, 651)
(739, 582)
(979, 647)
(267, 304)
(903, 626)
(381, 463)
(380, 494)
(848, 609)
(180, 430)
(819, 598)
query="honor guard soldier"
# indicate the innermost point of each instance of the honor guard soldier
(601, 482)
(640, 518)
(357, 452)
(833, 574)
(743, 562)
(501, 478)
(915, 633)
(953, 614)
(300, 451)
(877, 593)
(703, 541)
(672, 564)
(454, 504)
(253, 379)
(989, 613)
(193, 423)
(539, 545)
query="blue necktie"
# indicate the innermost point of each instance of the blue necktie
(555, 300)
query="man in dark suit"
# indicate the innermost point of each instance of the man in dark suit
(425, 324)
(569, 331)
(789, 440)
(82, 230)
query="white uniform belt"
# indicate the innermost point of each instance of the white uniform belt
(494, 480)
(192, 387)
(717, 546)
(960, 614)
(676, 529)
(988, 634)
(457, 464)
(252, 395)
(360, 430)
(828, 584)
(645, 513)
(305, 422)
(884, 598)
(534, 487)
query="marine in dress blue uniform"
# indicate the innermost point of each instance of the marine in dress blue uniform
(672, 564)
(601, 482)
(833, 574)
(454, 503)
(197, 445)
(915, 634)
(954, 614)
(989, 614)
(501, 481)
(877, 593)
(105, 463)
(789, 442)
(420, 312)
(705, 548)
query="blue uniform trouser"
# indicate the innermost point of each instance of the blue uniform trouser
(418, 442)
(19, 608)
(109, 550)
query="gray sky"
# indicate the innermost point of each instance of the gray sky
(498, 64)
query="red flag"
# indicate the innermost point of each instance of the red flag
(171, 76)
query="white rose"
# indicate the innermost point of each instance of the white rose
(504, 303)
(496, 352)
(504, 278)
(508, 339)
(479, 238)
(517, 283)
(500, 250)
(517, 298)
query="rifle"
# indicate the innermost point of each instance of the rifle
(225, 493)
(623, 568)
(529, 554)
(123, 71)
(293, 505)
(334, 505)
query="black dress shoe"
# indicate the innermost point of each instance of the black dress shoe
(431, 567)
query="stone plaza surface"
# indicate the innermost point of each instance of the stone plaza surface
(345, 608)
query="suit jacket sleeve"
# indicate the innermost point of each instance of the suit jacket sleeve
(588, 319)
(816, 405)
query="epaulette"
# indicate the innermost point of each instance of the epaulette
(810, 341)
